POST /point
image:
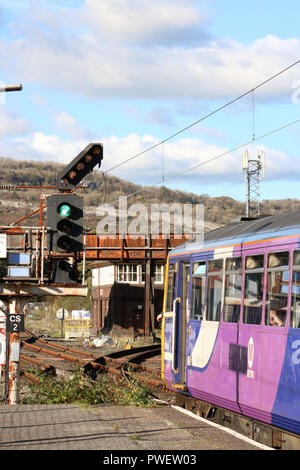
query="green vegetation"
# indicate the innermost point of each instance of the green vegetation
(80, 389)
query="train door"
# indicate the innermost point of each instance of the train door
(180, 326)
(263, 331)
(170, 304)
(229, 349)
(250, 361)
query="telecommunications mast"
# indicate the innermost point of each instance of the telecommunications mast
(254, 172)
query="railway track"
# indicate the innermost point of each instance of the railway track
(51, 357)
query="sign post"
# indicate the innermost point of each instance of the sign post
(14, 325)
(61, 314)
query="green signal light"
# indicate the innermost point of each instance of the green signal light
(64, 210)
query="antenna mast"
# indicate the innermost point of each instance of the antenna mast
(254, 172)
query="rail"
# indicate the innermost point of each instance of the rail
(122, 362)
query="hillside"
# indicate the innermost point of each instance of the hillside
(16, 203)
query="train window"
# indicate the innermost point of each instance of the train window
(254, 262)
(278, 260)
(170, 287)
(277, 289)
(214, 289)
(295, 304)
(234, 264)
(215, 265)
(296, 258)
(254, 281)
(233, 290)
(198, 291)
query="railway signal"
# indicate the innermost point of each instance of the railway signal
(80, 166)
(65, 234)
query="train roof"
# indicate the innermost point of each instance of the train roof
(244, 231)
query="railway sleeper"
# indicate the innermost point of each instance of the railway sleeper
(253, 429)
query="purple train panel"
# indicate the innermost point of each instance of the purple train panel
(252, 369)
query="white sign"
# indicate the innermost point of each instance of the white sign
(250, 372)
(15, 352)
(62, 313)
(250, 352)
(2, 348)
(3, 244)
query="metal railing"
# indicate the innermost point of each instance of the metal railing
(33, 242)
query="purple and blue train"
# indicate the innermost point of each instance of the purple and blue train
(231, 320)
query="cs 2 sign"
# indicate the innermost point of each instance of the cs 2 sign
(15, 323)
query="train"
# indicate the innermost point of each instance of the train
(231, 326)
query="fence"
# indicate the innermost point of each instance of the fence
(77, 328)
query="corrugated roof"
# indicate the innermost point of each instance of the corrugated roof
(247, 230)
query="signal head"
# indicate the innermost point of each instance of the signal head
(64, 210)
(80, 166)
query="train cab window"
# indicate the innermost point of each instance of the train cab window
(295, 304)
(253, 295)
(233, 290)
(198, 290)
(214, 289)
(171, 287)
(277, 289)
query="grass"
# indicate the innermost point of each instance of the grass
(81, 390)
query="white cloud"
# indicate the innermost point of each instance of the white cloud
(184, 154)
(141, 49)
(42, 147)
(95, 70)
(68, 124)
(144, 22)
(11, 124)
(52, 147)
(163, 161)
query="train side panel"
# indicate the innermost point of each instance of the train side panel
(286, 409)
(252, 369)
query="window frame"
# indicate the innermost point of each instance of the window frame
(127, 273)
(218, 314)
(160, 272)
(292, 270)
(172, 269)
(203, 277)
(281, 269)
(244, 278)
(228, 272)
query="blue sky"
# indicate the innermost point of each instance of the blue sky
(130, 73)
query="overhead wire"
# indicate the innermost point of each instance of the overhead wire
(229, 103)
(238, 147)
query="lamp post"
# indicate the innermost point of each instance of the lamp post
(6, 88)
(12, 336)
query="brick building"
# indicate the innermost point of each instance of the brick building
(118, 296)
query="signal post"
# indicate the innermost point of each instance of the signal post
(64, 242)
(14, 326)
(65, 216)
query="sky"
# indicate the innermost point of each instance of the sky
(133, 73)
